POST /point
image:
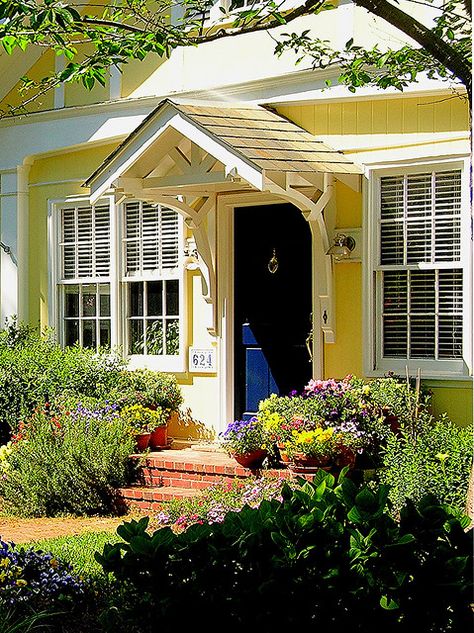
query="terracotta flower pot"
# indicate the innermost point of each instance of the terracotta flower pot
(252, 460)
(142, 440)
(300, 459)
(159, 437)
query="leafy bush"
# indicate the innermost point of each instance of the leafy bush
(329, 555)
(34, 369)
(66, 462)
(428, 456)
(148, 388)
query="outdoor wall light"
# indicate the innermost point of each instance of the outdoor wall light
(190, 261)
(342, 247)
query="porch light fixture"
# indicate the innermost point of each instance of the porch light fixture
(342, 247)
(190, 261)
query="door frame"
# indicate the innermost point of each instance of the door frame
(225, 209)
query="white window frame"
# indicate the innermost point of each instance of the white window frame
(171, 363)
(374, 363)
(167, 363)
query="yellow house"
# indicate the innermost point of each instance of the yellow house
(225, 216)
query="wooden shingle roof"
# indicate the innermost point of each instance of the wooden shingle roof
(268, 139)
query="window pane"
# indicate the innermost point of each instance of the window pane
(395, 291)
(419, 241)
(395, 336)
(154, 337)
(391, 241)
(136, 299)
(422, 337)
(89, 300)
(71, 332)
(155, 298)
(450, 337)
(422, 291)
(172, 297)
(104, 300)
(71, 301)
(104, 332)
(136, 344)
(69, 262)
(89, 338)
(172, 337)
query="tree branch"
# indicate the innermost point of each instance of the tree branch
(425, 37)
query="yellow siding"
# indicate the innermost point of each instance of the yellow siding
(382, 116)
(345, 355)
(454, 398)
(137, 72)
(42, 68)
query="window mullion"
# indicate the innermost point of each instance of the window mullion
(408, 314)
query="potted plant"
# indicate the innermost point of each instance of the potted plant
(246, 441)
(312, 448)
(159, 434)
(141, 421)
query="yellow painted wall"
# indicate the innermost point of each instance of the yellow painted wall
(382, 116)
(42, 68)
(378, 116)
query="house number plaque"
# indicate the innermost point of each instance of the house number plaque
(202, 360)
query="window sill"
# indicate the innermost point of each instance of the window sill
(168, 364)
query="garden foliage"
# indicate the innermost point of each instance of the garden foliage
(66, 462)
(35, 370)
(328, 555)
(432, 456)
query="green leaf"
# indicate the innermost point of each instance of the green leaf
(388, 603)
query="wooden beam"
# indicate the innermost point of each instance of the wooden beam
(191, 178)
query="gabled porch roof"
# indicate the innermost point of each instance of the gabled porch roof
(180, 147)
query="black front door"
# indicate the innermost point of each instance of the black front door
(272, 303)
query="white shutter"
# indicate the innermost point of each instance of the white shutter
(101, 250)
(85, 242)
(151, 239)
(421, 316)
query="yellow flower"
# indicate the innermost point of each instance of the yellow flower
(4, 562)
(54, 563)
(21, 582)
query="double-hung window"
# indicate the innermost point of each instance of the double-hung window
(120, 283)
(151, 279)
(419, 273)
(84, 278)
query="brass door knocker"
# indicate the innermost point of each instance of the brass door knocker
(273, 263)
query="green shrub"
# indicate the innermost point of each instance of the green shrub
(428, 456)
(34, 369)
(329, 556)
(66, 463)
(148, 388)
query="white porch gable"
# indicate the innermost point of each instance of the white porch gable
(183, 155)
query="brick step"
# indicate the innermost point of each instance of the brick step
(151, 498)
(192, 468)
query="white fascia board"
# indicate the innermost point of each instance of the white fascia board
(129, 154)
(151, 132)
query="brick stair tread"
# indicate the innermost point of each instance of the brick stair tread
(156, 493)
(194, 461)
